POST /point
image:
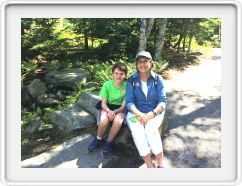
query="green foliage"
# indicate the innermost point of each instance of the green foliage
(159, 66)
(70, 100)
(46, 114)
(27, 118)
(53, 65)
(27, 68)
(205, 49)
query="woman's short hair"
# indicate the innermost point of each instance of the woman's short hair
(120, 66)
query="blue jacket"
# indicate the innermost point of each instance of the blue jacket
(135, 95)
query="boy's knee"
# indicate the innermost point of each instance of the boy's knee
(103, 122)
(119, 118)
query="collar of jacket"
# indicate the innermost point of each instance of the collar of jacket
(152, 74)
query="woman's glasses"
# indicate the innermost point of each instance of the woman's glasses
(145, 61)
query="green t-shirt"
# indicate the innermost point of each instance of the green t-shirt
(113, 94)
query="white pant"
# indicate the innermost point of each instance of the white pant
(146, 138)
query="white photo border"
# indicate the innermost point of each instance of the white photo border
(3, 99)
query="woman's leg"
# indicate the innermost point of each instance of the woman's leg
(117, 123)
(153, 136)
(104, 121)
(159, 158)
(148, 161)
(140, 140)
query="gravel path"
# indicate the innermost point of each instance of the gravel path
(194, 115)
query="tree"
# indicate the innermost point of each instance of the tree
(160, 38)
(145, 30)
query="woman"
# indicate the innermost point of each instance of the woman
(146, 102)
(113, 106)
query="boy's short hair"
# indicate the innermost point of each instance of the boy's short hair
(120, 66)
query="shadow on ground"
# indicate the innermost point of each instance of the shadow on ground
(194, 133)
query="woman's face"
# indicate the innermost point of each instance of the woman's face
(143, 65)
(118, 75)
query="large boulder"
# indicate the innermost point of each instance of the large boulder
(71, 78)
(88, 101)
(36, 88)
(72, 118)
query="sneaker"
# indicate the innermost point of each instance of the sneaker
(160, 166)
(107, 149)
(94, 145)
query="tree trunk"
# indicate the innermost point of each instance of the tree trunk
(86, 40)
(150, 23)
(142, 36)
(189, 45)
(184, 43)
(160, 38)
(179, 41)
(92, 42)
(185, 35)
(169, 39)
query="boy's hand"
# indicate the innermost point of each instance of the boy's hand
(111, 115)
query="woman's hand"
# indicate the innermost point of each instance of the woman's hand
(142, 118)
(150, 115)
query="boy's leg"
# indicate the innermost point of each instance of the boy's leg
(92, 147)
(117, 123)
(104, 121)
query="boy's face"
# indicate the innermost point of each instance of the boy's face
(118, 76)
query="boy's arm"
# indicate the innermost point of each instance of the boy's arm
(122, 108)
(104, 104)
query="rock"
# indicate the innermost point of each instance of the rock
(71, 78)
(163, 127)
(125, 141)
(60, 96)
(42, 96)
(32, 107)
(47, 139)
(91, 85)
(88, 101)
(33, 126)
(37, 88)
(51, 88)
(72, 118)
(25, 95)
(67, 92)
(43, 100)
(44, 126)
(71, 154)
(51, 95)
